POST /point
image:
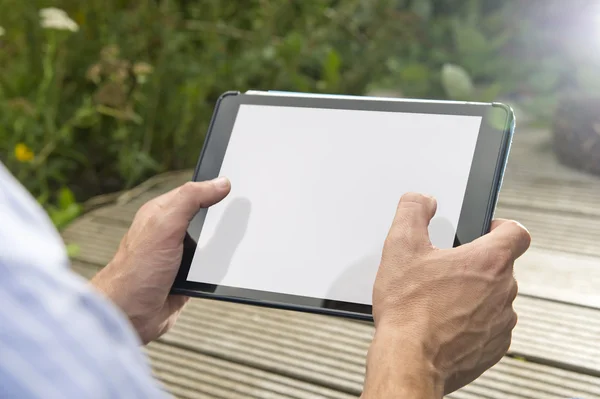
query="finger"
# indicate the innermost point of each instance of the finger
(497, 223)
(506, 235)
(411, 222)
(177, 302)
(188, 199)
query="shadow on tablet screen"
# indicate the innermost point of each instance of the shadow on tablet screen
(354, 278)
(230, 231)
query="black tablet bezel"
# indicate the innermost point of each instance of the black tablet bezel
(485, 179)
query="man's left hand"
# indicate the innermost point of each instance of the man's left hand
(139, 278)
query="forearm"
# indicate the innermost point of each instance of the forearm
(398, 368)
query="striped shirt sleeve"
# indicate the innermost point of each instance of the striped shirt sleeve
(58, 337)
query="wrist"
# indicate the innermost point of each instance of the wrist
(398, 367)
(107, 282)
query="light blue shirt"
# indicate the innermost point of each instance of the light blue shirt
(58, 337)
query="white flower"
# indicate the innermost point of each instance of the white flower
(55, 18)
(2, 31)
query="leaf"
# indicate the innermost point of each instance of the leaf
(73, 250)
(456, 82)
(62, 217)
(42, 199)
(86, 116)
(65, 198)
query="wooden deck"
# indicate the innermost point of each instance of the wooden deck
(223, 350)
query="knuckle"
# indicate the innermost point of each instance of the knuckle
(154, 220)
(514, 291)
(477, 256)
(506, 344)
(514, 319)
(188, 188)
(145, 208)
(394, 239)
(417, 199)
(502, 256)
(519, 231)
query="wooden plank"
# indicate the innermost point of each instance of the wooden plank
(544, 272)
(559, 232)
(193, 374)
(561, 333)
(128, 203)
(97, 241)
(86, 270)
(561, 276)
(196, 374)
(331, 352)
(99, 248)
(544, 193)
(125, 213)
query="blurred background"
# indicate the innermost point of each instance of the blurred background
(98, 95)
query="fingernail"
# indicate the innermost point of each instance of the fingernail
(221, 182)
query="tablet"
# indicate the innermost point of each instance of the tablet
(315, 182)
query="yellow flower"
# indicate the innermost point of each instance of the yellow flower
(23, 153)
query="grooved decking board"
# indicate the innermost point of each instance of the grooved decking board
(126, 211)
(331, 352)
(282, 349)
(226, 350)
(545, 194)
(562, 276)
(533, 336)
(97, 241)
(189, 374)
(561, 333)
(559, 232)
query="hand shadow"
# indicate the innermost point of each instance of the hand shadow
(356, 281)
(218, 252)
(441, 233)
(353, 284)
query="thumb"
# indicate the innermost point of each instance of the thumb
(192, 196)
(410, 226)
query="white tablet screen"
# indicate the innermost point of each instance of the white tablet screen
(314, 192)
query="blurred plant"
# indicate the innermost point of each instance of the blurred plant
(55, 18)
(456, 82)
(28, 115)
(96, 96)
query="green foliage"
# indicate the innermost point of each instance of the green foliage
(457, 82)
(66, 209)
(130, 93)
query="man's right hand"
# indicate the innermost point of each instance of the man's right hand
(442, 317)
